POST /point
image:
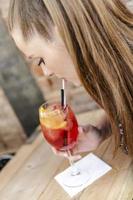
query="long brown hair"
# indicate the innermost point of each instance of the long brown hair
(99, 37)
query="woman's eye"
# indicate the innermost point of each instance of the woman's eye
(41, 61)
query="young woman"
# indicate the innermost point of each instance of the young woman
(87, 42)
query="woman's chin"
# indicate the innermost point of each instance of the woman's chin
(77, 84)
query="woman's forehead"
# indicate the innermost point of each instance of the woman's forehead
(26, 45)
(35, 43)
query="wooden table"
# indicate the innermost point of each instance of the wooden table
(30, 175)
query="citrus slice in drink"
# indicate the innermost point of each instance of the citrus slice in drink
(53, 119)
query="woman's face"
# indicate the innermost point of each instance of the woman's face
(54, 53)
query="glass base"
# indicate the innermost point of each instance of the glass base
(76, 180)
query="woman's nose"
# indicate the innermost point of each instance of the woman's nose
(47, 72)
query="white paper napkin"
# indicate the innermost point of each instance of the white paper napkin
(94, 166)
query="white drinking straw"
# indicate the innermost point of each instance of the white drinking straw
(63, 92)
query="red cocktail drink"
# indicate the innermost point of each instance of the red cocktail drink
(60, 129)
(59, 126)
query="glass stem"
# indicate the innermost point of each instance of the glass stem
(74, 170)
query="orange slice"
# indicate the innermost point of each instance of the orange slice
(56, 126)
(52, 119)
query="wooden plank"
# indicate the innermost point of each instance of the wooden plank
(15, 164)
(42, 164)
(34, 177)
(109, 186)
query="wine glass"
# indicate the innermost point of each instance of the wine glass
(60, 129)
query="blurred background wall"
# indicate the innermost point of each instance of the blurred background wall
(20, 94)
